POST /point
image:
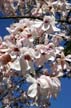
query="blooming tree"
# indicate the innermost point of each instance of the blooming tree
(32, 59)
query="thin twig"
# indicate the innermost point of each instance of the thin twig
(64, 21)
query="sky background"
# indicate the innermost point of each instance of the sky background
(64, 98)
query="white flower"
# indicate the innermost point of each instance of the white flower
(68, 58)
(15, 65)
(56, 86)
(49, 24)
(46, 86)
(23, 65)
(44, 82)
(26, 64)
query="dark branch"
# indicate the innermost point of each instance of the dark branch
(32, 17)
(64, 21)
(19, 17)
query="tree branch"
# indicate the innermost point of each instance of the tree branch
(19, 17)
(32, 17)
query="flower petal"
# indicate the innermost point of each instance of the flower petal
(15, 65)
(30, 79)
(32, 91)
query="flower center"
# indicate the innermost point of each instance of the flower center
(27, 57)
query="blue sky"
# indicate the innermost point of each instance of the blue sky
(64, 98)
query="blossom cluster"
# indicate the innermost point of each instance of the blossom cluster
(32, 54)
(30, 46)
(34, 7)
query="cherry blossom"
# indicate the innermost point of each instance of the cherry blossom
(33, 53)
(45, 86)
